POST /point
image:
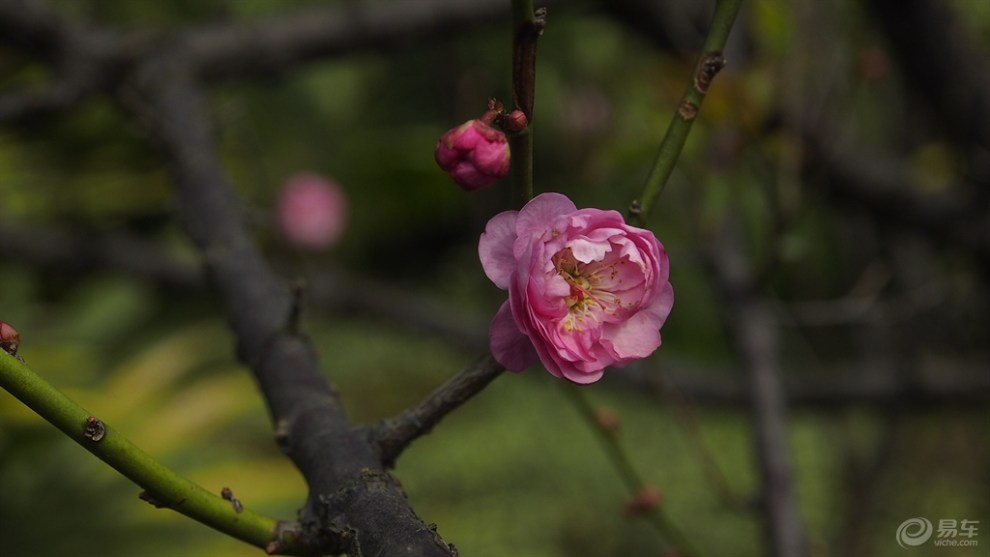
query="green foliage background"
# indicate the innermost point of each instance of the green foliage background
(515, 472)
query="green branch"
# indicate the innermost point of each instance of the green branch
(708, 65)
(163, 487)
(521, 147)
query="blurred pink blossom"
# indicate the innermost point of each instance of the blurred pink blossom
(586, 290)
(474, 154)
(311, 212)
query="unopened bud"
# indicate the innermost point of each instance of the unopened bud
(607, 420)
(474, 154)
(10, 339)
(645, 501)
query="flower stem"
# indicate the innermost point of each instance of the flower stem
(521, 147)
(163, 487)
(708, 65)
(527, 25)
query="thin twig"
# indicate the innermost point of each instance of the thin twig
(395, 434)
(527, 26)
(940, 384)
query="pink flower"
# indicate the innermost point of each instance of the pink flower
(474, 154)
(586, 290)
(312, 212)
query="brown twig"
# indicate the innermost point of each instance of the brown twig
(394, 435)
(531, 25)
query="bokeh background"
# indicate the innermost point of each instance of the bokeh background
(855, 198)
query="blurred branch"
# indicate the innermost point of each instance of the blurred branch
(21, 105)
(354, 506)
(684, 411)
(752, 331)
(709, 63)
(395, 306)
(678, 25)
(67, 251)
(395, 434)
(84, 59)
(862, 477)
(164, 488)
(941, 65)
(88, 60)
(76, 252)
(281, 42)
(939, 385)
(31, 25)
(886, 189)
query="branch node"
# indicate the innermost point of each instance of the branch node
(228, 495)
(687, 110)
(94, 429)
(708, 67)
(282, 434)
(540, 20)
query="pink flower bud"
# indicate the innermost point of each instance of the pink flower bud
(474, 154)
(645, 501)
(311, 212)
(10, 339)
(607, 420)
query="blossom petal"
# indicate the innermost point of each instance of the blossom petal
(575, 375)
(661, 306)
(495, 248)
(634, 338)
(586, 251)
(508, 344)
(542, 210)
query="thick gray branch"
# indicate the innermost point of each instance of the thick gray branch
(354, 506)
